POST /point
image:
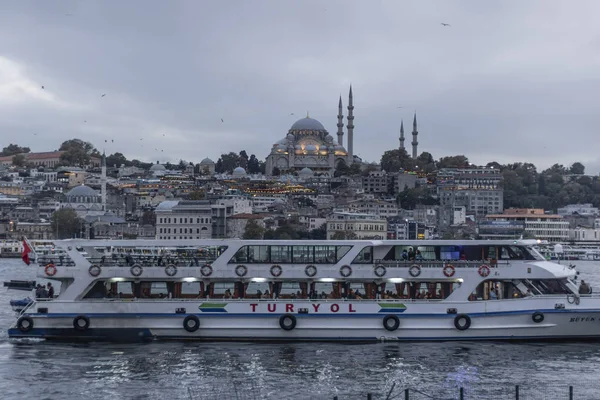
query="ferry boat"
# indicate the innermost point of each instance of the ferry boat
(365, 290)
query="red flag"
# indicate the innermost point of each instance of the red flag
(25, 253)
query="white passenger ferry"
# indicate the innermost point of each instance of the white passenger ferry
(307, 290)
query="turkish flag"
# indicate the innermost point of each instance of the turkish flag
(25, 253)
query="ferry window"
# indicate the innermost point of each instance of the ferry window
(496, 290)
(281, 254)
(302, 254)
(365, 256)
(223, 290)
(258, 254)
(256, 289)
(426, 253)
(449, 253)
(471, 253)
(190, 288)
(521, 253)
(342, 251)
(325, 254)
(241, 256)
(124, 288)
(548, 286)
(490, 253)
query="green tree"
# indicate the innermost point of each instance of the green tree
(397, 159)
(66, 224)
(354, 170)
(116, 159)
(253, 231)
(13, 149)
(319, 233)
(253, 165)
(453, 162)
(341, 169)
(228, 162)
(197, 195)
(77, 152)
(18, 160)
(577, 168)
(276, 171)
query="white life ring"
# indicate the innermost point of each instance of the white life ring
(95, 270)
(414, 270)
(136, 270)
(380, 271)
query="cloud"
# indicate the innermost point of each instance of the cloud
(507, 81)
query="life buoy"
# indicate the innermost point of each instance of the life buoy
(25, 324)
(191, 323)
(414, 270)
(81, 322)
(484, 270)
(276, 270)
(345, 271)
(241, 270)
(94, 270)
(310, 271)
(136, 270)
(537, 317)
(50, 269)
(380, 271)
(391, 322)
(287, 322)
(449, 270)
(206, 270)
(171, 270)
(462, 322)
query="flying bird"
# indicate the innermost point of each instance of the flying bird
(84, 121)
(443, 24)
(103, 95)
(42, 87)
(112, 140)
(291, 113)
(222, 120)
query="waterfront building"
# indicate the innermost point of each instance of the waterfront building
(184, 219)
(578, 209)
(535, 223)
(364, 226)
(374, 207)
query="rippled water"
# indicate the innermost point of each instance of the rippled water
(40, 370)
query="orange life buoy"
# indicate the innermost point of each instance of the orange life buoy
(449, 270)
(50, 269)
(484, 270)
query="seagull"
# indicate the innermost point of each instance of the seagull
(84, 121)
(42, 87)
(292, 114)
(103, 95)
(443, 24)
(222, 120)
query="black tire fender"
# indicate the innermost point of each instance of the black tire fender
(195, 323)
(25, 324)
(462, 326)
(78, 325)
(391, 322)
(284, 324)
(537, 317)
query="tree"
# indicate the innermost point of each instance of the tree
(341, 169)
(149, 218)
(18, 160)
(228, 162)
(395, 160)
(77, 152)
(319, 233)
(116, 159)
(244, 159)
(253, 165)
(66, 224)
(453, 162)
(253, 230)
(577, 168)
(13, 149)
(276, 171)
(354, 169)
(197, 195)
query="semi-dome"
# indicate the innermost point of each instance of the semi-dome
(82, 191)
(207, 161)
(239, 172)
(157, 167)
(306, 172)
(307, 124)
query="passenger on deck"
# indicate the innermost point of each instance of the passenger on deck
(227, 294)
(404, 255)
(266, 295)
(463, 257)
(51, 290)
(493, 295)
(418, 255)
(584, 288)
(411, 254)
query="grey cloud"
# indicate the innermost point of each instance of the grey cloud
(508, 81)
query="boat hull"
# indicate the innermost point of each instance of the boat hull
(354, 322)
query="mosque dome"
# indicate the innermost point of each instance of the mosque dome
(239, 172)
(307, 124)
(329, 139)
(310, 148)
(157, 167)
(207, 161)
(306, 173)
(82, 191)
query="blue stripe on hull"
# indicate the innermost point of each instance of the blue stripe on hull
(309, 315)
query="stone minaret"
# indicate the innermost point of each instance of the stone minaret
(402, 135)
(340, 124)
(350, 127)
(415, 133)
(103, 181)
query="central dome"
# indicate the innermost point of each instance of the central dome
(307, 124)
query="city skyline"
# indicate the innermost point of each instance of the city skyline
(507, 82)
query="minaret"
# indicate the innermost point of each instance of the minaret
(414, 135)
(402, 135)
(340, 124)
(103, 181)
(350, 127)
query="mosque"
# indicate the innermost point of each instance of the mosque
(309, 149)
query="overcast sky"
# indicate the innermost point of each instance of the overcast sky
(507, 81)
